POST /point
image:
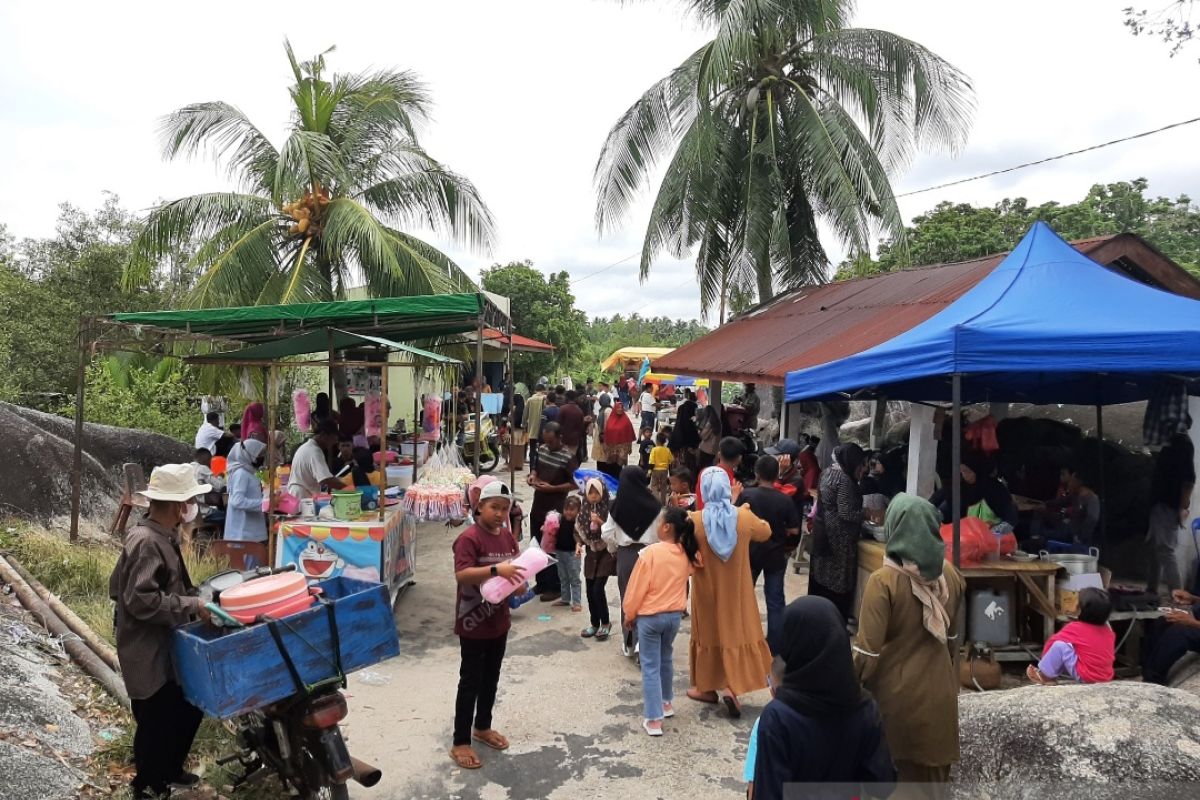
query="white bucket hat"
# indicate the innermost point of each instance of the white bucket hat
(174, 482)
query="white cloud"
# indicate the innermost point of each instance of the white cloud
(526, 91)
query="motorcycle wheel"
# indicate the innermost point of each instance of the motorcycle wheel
(488, 459)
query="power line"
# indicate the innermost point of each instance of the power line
(1051, 158)
(583, 278)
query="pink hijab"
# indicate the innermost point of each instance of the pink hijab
(252, 422)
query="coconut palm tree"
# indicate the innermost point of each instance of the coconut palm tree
(324, 210)
(786, 118)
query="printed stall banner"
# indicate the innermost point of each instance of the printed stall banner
(373, 550)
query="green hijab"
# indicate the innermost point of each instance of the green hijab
(912, 527)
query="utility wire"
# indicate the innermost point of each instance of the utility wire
(583, 278)
(1052, 158)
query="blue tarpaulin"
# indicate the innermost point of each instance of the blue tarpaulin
(1047, 325)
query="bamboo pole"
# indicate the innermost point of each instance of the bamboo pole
(79, 652)
(269, 391)
(77, 626)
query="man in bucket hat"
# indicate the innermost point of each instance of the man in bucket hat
(154, 595)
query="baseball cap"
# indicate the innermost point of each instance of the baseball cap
(495, 489)
(784, 447)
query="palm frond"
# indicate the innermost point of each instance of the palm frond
(226, 133)
(234, 262)
(438, 199)
(305, 159)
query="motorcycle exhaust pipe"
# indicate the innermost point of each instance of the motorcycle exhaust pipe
(365, 773)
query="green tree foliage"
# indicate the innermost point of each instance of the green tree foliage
(47, 284)
(327, 206)
(604, 336)
(787, 117)
(1171, 23)
(959, 231)
(159, 398)
(543, 308)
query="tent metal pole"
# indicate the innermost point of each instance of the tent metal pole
(77, 453)
(510, 394)
(956, 468)
(1100, 456)
(385, 375)
(479, 392)
(269, 389)
(329, 371)
(416, 426)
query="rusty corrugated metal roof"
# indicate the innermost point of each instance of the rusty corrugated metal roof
(817, 324)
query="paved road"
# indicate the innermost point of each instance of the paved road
(570, 706)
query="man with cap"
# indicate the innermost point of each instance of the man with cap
(153, 595)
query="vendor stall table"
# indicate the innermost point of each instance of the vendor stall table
(1028, 575)
(367, 549)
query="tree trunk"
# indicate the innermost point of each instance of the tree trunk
(766, 292)
(338, 376)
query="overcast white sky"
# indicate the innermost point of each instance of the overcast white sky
(526, 91)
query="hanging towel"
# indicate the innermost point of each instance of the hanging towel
(1166, 413)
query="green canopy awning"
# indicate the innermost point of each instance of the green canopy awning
(316, 342)
(392, 318)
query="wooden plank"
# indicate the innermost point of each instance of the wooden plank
(871, 553)
(1042, 603)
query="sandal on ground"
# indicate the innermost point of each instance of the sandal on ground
(1035, 676)
(652, 731)
(465, 759)
(559, 604)
(602, 633)
(702, 697)
(588, 632)
(490, 738)
(731, 703)
(668, 710)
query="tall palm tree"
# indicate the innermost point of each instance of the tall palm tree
(786, 118)
(326, 208)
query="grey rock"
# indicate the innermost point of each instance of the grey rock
(32, 776)
(35, 476)
(1076, 736)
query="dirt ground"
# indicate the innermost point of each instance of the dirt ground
(570, 706)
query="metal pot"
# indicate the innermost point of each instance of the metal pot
(1075, 563)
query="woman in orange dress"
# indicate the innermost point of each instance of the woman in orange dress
(729, 654)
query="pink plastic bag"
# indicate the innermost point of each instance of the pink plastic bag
(532, 559)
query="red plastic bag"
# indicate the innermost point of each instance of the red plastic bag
(976, 539)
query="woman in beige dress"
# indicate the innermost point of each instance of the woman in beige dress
(729, 654)
(904, 652)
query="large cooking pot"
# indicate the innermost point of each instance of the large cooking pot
(1076, 563)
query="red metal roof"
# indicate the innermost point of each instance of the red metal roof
(519, 342)
(818, 324)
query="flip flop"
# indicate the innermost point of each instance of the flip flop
(1035, 676)
(668, 710)
(494, 741)
(602, 633)
(731, 703)
(702, 697)
(588, 632)
(462, 762)
(652, 731)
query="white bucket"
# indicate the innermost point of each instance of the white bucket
(415, 450)
(400, 475)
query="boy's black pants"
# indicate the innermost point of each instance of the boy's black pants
(478, 676)
(166, 725)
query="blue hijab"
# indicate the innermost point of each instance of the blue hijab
(720, 517)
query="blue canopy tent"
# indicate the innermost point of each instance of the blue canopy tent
(1047, 325)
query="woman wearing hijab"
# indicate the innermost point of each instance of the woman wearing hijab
(906, 640)
(821, 727)
(252, 423)
(599, 453)
(518, 429)
(351, 417)
(618, 439)
(244, 518)
(708, 422)
(837, 528)
(322, 410)
(729, 654)
(685, 436)
(627, 530)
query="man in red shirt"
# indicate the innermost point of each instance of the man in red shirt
(729, 456)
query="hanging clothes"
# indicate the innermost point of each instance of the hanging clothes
(1166, 413)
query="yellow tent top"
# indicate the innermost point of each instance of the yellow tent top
(634, 354)
(683, 381)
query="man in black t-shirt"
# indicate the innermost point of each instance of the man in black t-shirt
(769, 558)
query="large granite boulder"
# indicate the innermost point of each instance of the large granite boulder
(35, 474)
(1073, 736)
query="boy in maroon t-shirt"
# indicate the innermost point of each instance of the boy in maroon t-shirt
(482, 551)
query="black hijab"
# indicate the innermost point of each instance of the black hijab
(849, 457)
(634, 507)
(819, 679)
(685, 434)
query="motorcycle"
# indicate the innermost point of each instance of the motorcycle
(299, 738)
(489, 450)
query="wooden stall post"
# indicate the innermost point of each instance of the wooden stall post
(509, 393)
(416, 426)
(269, 390)
(1100, 456)
(77, 454)
(479, 394)
(384, 375)
(956, 468)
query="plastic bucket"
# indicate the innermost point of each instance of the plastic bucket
(370, 497)
(400, 475)
(347, 505)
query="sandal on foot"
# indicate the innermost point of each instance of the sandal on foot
(731, 703)
(652, 731)
(490, 738)
(559, 604)
(588, 632)
(576, 609)
(1035, 676)
(465, 759)
(668, 710)
(702, 697)
(602, 633)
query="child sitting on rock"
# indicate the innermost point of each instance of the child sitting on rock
(1083, 650)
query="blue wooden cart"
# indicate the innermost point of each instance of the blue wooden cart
(228, 672)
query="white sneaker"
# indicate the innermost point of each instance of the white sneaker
(624, 648)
